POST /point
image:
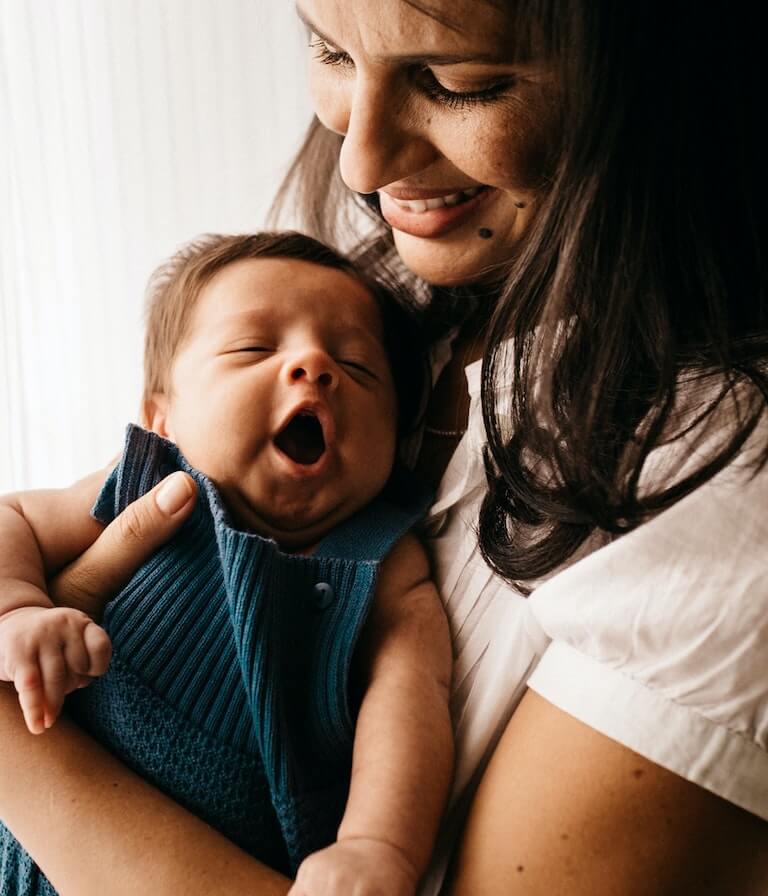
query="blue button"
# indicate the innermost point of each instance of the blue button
(324, 595)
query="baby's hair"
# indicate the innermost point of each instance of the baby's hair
(175, 287)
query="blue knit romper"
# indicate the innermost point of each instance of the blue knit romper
(230, 686)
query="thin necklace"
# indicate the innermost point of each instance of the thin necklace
(445, 433)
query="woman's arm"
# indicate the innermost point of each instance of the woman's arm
(564, 809)
(94, 827)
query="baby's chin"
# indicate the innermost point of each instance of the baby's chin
(296, 529)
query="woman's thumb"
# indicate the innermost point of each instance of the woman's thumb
(129, 540)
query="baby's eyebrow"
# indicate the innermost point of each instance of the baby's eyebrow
(365, 334)
(244, 318)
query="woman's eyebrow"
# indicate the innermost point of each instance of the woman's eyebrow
(421, 58)
(311, 25)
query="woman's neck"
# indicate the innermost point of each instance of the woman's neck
(448, 411)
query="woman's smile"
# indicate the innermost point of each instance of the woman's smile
(432, 217)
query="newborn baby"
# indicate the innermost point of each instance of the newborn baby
(282, 665)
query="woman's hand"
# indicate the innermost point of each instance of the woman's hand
(100, 572)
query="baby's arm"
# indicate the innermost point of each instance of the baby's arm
(403, 752)
(45, 651)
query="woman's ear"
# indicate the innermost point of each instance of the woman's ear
(154, 414)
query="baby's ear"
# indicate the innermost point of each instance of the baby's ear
(154, 414)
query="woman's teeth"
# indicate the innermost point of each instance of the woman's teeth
(419, 206)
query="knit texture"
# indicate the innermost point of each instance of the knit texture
(229, 687)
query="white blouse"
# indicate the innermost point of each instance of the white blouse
(659, 639)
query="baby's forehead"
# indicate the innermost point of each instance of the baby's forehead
(276, 291)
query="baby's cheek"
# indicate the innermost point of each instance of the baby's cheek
(204, 440)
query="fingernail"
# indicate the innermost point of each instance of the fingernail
(173, 494)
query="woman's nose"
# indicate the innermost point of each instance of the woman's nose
(312, 366)
(381, 144)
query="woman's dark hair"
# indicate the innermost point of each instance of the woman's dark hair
(644, 267)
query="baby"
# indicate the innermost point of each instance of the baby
(281, 667)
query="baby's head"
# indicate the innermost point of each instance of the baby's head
(283, 375)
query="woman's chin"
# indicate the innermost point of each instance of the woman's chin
(446, 262)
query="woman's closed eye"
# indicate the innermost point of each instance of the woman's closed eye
(328, 56)
(426, 80)
(462, 99)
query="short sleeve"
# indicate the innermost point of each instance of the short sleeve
(660, 639)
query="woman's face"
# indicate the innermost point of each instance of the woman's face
(438, 120)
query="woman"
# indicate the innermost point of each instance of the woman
(582, 181)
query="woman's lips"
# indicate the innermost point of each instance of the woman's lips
(432, 222)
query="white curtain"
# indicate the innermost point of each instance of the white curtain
(126, 128)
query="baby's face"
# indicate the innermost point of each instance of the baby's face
(283, 395)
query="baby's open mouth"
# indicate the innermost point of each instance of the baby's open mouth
(302, 439)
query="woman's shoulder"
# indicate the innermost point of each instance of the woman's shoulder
(660, 638)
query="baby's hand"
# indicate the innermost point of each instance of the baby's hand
(357, 867)
(48, 653)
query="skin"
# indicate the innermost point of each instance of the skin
(275, 334)
(371, 80)
(278, 334)
(561, 808)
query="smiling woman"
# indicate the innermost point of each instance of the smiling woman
(588, 248)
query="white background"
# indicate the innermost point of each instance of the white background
(126, 128)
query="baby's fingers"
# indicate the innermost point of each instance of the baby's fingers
(28, 682)
(99, 650)
(56, 682)
(87, 651)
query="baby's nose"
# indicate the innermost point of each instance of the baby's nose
(313, 366)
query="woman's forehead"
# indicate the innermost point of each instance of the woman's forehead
(409, 27)
(460, 16)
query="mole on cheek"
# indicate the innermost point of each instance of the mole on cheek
(485, 233)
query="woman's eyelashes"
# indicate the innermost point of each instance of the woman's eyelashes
(425, 79)
(324, 54)
(462, 99)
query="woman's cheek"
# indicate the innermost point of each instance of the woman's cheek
(531, 137)
(507, 145)
(329, 100)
